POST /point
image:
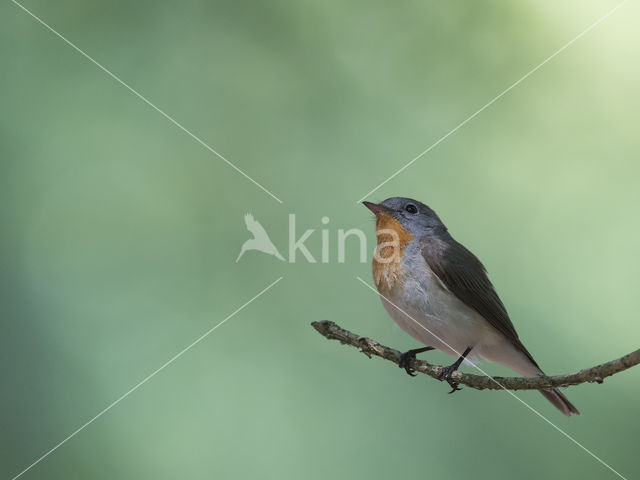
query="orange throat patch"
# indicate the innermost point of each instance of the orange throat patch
(388, 269)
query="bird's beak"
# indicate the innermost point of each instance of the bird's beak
(376, 207)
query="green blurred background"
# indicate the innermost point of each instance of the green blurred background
(120, 233)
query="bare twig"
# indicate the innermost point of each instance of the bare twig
(370, 347)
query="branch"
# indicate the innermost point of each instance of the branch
(370, 347)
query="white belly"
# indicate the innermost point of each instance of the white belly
(431, 314)
(435, 317)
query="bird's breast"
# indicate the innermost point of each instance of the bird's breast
(389, 270)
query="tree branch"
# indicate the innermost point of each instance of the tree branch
(370, 347)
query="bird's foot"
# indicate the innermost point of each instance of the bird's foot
(405, 361)
(408, 357)
(445, 374)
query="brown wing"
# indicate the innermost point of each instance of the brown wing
(465, 276)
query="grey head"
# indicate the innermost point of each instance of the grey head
(413, 215)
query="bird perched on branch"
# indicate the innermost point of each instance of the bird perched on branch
(438, 292)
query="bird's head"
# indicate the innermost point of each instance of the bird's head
(415, 217)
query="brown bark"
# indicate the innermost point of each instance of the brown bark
(370, 347)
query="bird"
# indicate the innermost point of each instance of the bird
(439, 293)
(260, 240)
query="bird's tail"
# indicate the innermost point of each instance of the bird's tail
(559, 401)
(526, 366)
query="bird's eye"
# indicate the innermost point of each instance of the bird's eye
(411, 208)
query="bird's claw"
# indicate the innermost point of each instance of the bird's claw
(454, 388)
(405, 361)
(445, 374)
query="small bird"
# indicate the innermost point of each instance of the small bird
(260, 240)
(438, 292)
